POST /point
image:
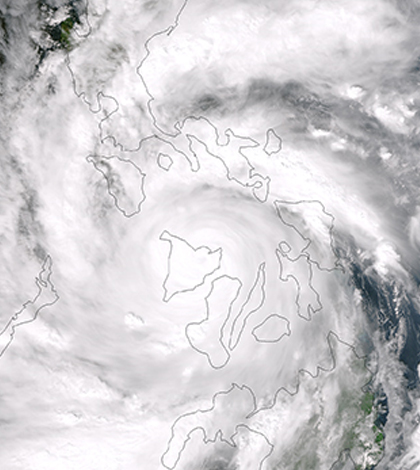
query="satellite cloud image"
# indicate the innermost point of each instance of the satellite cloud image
(210, 234)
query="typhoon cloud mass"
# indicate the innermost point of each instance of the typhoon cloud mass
(210, 232)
